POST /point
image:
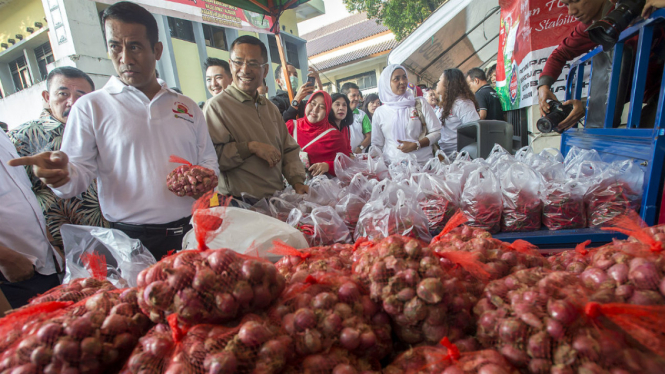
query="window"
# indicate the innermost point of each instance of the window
(44, 56)
(181, 29)
(328, 87)
(364, 81)
(292, 54)
(214, 37)
(274, 52)
(20, 73)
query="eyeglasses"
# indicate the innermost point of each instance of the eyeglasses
(251, 64)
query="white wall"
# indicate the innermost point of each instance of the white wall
(22, 106)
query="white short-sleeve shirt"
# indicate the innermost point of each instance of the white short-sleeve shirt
(23, 227)
(123, 139)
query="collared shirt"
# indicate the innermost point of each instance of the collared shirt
(123, 139)
(382, 131)
(235, 119)
(45, 135)
(361, 125)
(489, 101)
(24, 228)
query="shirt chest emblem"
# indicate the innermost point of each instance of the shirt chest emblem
(181, 111)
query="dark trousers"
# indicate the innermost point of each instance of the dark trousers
(159, 239)
(19, 293)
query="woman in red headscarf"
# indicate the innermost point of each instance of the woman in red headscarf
(317, 137)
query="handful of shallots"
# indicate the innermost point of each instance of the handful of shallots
(190, 180)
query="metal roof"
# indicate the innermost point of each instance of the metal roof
(356, 55)
(348, 30)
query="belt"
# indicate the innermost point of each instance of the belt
(174, 228)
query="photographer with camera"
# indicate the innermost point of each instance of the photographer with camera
(577, 43)
(600, 23)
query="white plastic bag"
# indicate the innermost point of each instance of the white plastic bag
(125, 257)
(245, 231)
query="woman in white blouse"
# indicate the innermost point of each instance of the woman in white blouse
(397, 128)
(458, 106)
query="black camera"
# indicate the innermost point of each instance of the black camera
(606, 31)
(558, 112)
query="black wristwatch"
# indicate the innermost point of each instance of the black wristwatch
(295, 103)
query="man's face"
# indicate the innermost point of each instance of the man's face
(63, 94)
(248, 67)
(217, 79)
(474, 84)
(293, 72)
(133, 57)
(354, 97)
(585, 11)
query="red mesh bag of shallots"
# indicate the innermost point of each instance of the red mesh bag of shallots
(334, 361)
(446, 358)
(427, 295)
(253, 346)
(95, 335)
(153, 351)
(332, 310)
(297, 264)
(207, 285)
(21, 321)
(190, 180)
(212, 286)
(549, 321)
(500, 258)
(80, 288)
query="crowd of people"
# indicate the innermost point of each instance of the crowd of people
(100, 157)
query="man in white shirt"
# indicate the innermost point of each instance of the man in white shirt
(361, 128)
(27, 260)
(124, 134)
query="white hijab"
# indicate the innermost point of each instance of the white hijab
(400, 104)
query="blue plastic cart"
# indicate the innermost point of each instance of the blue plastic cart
(645, 146)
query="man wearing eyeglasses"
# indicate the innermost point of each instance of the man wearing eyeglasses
(253, 145)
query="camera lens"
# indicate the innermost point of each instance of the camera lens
(604, 33)
(544, 125)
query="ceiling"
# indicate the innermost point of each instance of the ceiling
(460, 34)
(5, 2)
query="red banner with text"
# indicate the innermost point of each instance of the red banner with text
(207, 11)
(530, 31)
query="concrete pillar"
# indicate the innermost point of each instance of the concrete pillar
(199, 38)
(77, 38)
(33, 67)
(270, 78)
(231, 35)
(166, 65)
(6, 80)
(302, 57)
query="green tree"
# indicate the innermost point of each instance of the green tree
(400, 16)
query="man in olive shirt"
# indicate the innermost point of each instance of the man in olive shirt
(252, 143)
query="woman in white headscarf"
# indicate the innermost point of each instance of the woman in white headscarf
(396, 125)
